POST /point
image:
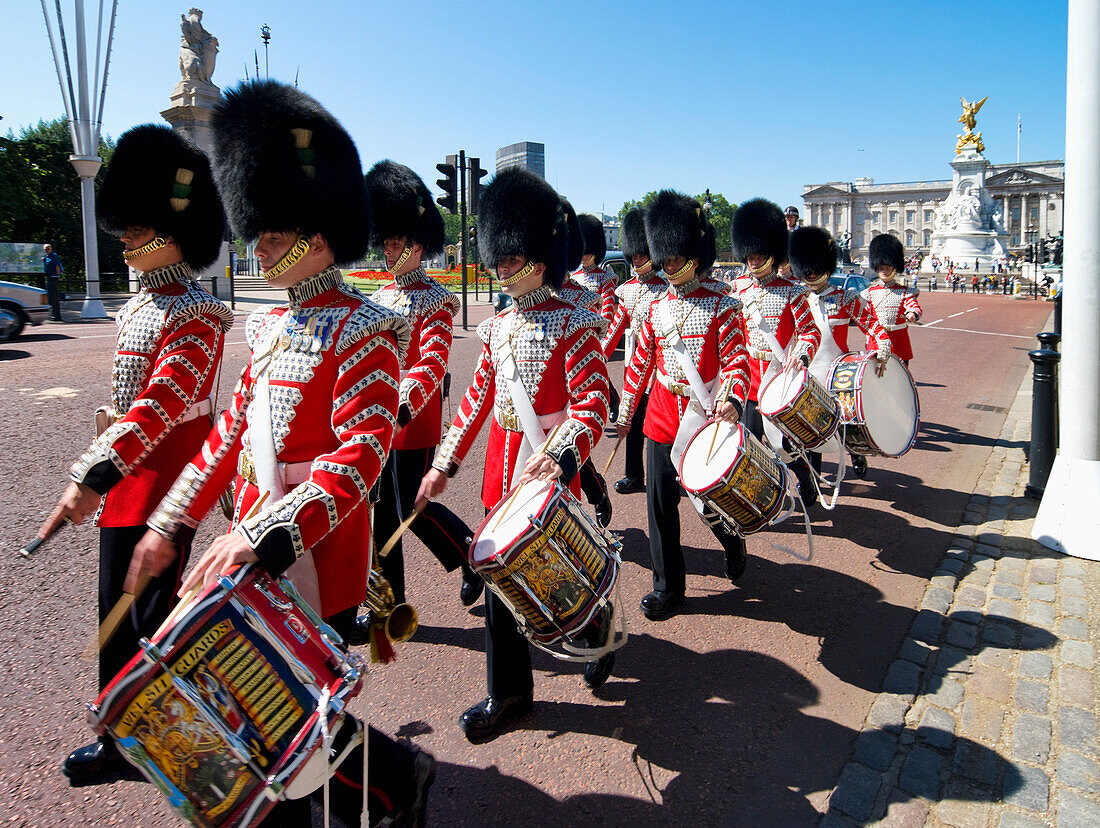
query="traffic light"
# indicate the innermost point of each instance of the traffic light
(475, 185)
(473, 238)
(1029, 256)
(449, 184)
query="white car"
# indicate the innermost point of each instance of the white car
(20, 304)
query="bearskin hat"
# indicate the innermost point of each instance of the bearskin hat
(758, 228)
(401, 205)
(576, 237)
(675, 225)
(157, 178)
(812, 253)
(887, 250)
(595, 243)
(633, 235)
(284, 164)
(521, 215)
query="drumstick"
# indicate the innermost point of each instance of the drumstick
(713, 439)
(396, 536)
(33, 545)
(515, 489)
(614, 451)
(114, 618)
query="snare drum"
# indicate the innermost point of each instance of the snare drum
(880, 414)
(547, 560)
(801, 408)
(220, 710)
(730, 470)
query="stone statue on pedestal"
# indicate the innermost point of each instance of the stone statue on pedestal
(198, 49)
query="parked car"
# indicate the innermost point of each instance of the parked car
(614, 262)
(20, 304)
(850, 278)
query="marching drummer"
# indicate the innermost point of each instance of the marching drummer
(541, 370)
(781, 328)
(691, 342)
(895, 305)
(313, 415)
(407, 225)
(159, 196)
(636, 297)
(813, 257)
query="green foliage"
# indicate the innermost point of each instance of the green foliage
(40, 196)
(721, 214)
(452, 231)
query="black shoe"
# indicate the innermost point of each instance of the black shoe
(360, 630)
(487, 718)
(598, 671)
(629, 485)
(97, 764)
(472, 586)
(424, 767)
(597, 635)
(736, 561)
(859, 465)
(603, 511)
(657, 605)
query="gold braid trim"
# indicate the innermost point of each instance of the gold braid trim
(524, 271)
(156, 244)
(296, 253)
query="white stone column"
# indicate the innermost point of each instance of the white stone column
(1068, 520)
(1042, 215)
(1005, 203)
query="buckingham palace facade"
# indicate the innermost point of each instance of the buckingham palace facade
(1028, 195)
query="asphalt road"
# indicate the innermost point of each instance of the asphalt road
(741, 709)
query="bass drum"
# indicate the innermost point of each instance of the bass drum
(880, 414)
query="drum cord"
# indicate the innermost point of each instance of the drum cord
(591, 654)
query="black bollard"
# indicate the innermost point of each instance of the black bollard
(1044, 395)
(1048, 340)
(1058, 313)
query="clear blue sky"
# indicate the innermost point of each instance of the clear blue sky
(745, 98)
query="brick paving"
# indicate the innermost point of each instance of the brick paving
(988, 717)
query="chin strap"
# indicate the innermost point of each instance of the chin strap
(818, 283)
(688, 265)
(296, 253)
(645, 269)
(404, 257)
(764, 269)
(156, 244)
(522, 273)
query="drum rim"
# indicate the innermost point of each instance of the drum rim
(862, 360)
(739, 430)
(554, 489)
(764, 389)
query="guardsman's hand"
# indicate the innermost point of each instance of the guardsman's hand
(540, 467)
(431, 486)
(223, 554)
(727, 411)
(76, 503)
(153, 554)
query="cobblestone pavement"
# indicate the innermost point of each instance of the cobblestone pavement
(988, 715)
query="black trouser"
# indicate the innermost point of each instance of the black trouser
(391, 773)
(116, 548)
(592, 483)
(634, 467)
(54, 294)
(754, 422)
(441, 530)
(663, 494)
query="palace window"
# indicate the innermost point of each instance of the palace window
(893, 216)
(927, 238)
(927, 216)
(909, 216)
(908, 238)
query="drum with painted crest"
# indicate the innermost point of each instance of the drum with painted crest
(800, 407)
(547, 559)
(222, 710)
(729, 469)
(880, 415)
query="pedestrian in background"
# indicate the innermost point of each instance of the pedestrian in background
(51, 266)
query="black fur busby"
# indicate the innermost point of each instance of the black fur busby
(633, 235)
(576, 237)
(284, 164)
(595, 243)
(675, 225)
(812, 253)
(401, 205)
(887, 250)
(521, 215)
(157, 178)
(758, 227)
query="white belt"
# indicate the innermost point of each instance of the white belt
(899, 327)
(510, 420)
(291, 474)
(200, 409)
(674, 387)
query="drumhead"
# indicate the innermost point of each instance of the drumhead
(891, 411)
(781, 391)
(697, 472)
(510, 519)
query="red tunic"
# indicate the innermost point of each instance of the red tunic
(842, 307)
(782, 305)
(170, 339)
(429, 308)
(635, 297)
(891, 303)
(333, 379)
(598, 281)
(713, 332)
(557, 350)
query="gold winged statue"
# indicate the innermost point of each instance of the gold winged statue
(968, 119)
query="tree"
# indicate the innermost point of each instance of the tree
(452, 231)
(40, 196)
(721, 214)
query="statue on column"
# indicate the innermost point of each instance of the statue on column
(969, 120)
(198, 49)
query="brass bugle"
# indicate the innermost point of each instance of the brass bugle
(398, 620)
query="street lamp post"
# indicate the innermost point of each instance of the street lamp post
(84, 109)
(265, 35)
